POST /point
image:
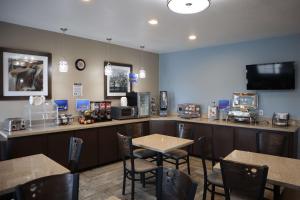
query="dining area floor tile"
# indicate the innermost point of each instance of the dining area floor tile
(106, 181)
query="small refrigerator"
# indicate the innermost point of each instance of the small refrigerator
(140, 100)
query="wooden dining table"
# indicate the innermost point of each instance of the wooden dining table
(283, 171)
(161, 144)
(21, 170)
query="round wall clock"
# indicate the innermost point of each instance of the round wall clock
(80, 64)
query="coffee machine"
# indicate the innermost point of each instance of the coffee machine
(163, 110)
(140, 101)
(101, 111)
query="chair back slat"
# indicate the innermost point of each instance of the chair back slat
(126, 149)
(243, 180)
(75, 148)
(55, 187)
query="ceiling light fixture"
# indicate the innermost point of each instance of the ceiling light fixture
(63, 64)
(142, 71)
(192, 37)
(153, 22)
(108, 69)
(86, 1)
(188, 6)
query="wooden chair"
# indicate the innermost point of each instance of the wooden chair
(133, 165)
(75, 147)
(180, 156)
(57, 187)
(243, 181)
(137, 131)
(272, 144)
(211, 179)
(175, 185)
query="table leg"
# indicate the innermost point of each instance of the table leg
(276, 192)
(159, 159)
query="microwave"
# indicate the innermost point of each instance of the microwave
(123, 112)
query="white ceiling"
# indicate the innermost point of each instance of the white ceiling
(225, 21)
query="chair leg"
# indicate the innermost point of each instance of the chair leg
(204, 191)
(132, 185)
(177, 164)
(213, 189)
(188, 164)
(143, 180)
(124, 182)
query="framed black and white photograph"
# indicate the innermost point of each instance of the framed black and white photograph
(24, 73)
(117, 83)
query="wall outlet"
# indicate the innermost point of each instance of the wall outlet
(261, 112)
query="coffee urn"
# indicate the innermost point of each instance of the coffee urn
(163, 110)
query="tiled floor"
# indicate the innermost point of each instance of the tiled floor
(103, 182)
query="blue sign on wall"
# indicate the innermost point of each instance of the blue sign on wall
(82, 105)
(62, 105)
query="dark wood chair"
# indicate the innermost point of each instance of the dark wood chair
(75, 147)
(175, 185)
(243, 181)
(57, 187)
(212, 179)
(134, 131)
(272, 144)
(180, 156)
(133, 165)
(4, 150)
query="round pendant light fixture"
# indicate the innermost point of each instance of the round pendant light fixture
(108, 68)
(63, 63)
(188, 6)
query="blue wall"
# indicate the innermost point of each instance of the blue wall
(207, 74)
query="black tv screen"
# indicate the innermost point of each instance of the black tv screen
(272, 76)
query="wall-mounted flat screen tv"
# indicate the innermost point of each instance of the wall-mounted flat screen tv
(272, 76)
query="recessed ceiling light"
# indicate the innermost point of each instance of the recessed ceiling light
(192, 37)
(86, 1)
(153, 21)
(188, 6)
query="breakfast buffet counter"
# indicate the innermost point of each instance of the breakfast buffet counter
(77, 126)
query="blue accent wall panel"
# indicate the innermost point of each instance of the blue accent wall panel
(213, 73)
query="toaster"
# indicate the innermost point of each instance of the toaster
(14, 124)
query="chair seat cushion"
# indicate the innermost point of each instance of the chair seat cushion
(177, 154)
(141, 165)
(215, 178)
(144, 153)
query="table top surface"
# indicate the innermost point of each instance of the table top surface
(161, 143)
(282, 171)
(21, 170)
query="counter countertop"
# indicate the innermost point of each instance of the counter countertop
(77, 126)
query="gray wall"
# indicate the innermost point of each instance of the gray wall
(93, 52)
(207, 74)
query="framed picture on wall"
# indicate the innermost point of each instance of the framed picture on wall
(24, 73)
(117, 84)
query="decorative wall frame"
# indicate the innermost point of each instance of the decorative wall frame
(117, 84)
(24, 73)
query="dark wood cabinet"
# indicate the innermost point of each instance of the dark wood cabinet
(25, 146)
(201, 130)
(245, 139)
(108, 145)
(165, 127)
(58, 147)
(89, 152)
(223, 141)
